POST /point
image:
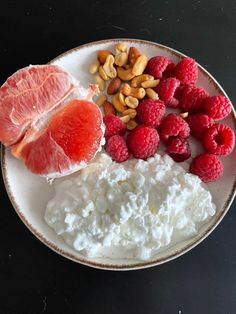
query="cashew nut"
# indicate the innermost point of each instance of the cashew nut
(151, 93)
(137, 80)
(93, 68)
(140, 65)
(137, 92)
(150, 83)
(121, 59)
(125, 75)
(121, 47)
(109, 67)
(117, 103)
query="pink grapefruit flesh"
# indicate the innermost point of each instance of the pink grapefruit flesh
(73, 135)
(27, 95)
(52, 135)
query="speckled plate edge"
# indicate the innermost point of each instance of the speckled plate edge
(139, 265)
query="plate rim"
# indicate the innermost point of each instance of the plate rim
(138, 265)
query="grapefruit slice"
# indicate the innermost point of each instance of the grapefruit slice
(71, 139)
(27, 95)
(44, 126)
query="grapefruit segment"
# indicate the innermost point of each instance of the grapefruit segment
(27, 95)
(72, 138)
(77, 129)
(44, 125)
(44, 156)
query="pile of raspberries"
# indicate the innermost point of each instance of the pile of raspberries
(199, 116)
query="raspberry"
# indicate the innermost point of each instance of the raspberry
(219, 139)
(207, 166)
(157, 66)
(143, 141)
(168, 71)
(192, 99)
(173, 103)
(180, 90)
(166, 89)
(113, 126)
(178, 149)
(198, 124)
(217, 107)
(116, 147)
(173, 125)
(150, 112)
(186, 71)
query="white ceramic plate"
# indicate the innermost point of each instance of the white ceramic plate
(30, 193)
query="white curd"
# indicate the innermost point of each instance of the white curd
(128, 210)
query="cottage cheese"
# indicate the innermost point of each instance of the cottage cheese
(128, 210)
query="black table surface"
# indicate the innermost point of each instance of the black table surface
(33, 279)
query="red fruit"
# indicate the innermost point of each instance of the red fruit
(178, 149)
(207, 166)
(219, 139)
(173, 103)
(186, 71)
(173, 125)
(150, 112)
(72, 136)
(157, 66)
(166, 89)
(116, 147)
(198, 124)
(192, 99)
(113, 126)
(217, 107)
(51, 135)
(168, 71)
(143, 141)
(180, 90)
(29, 94)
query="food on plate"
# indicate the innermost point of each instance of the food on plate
(161, 95)
(143, 141)
(198, 124)
(160, 66)
(150, 112)
(130, 209)
(116, 148)
(113, 126)
(207, 166)
(166, 91)
(29, 94)
(179, 149)
(46, 119)
(66, 144)
(131, 199)
(192, 99)
(217, 107)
